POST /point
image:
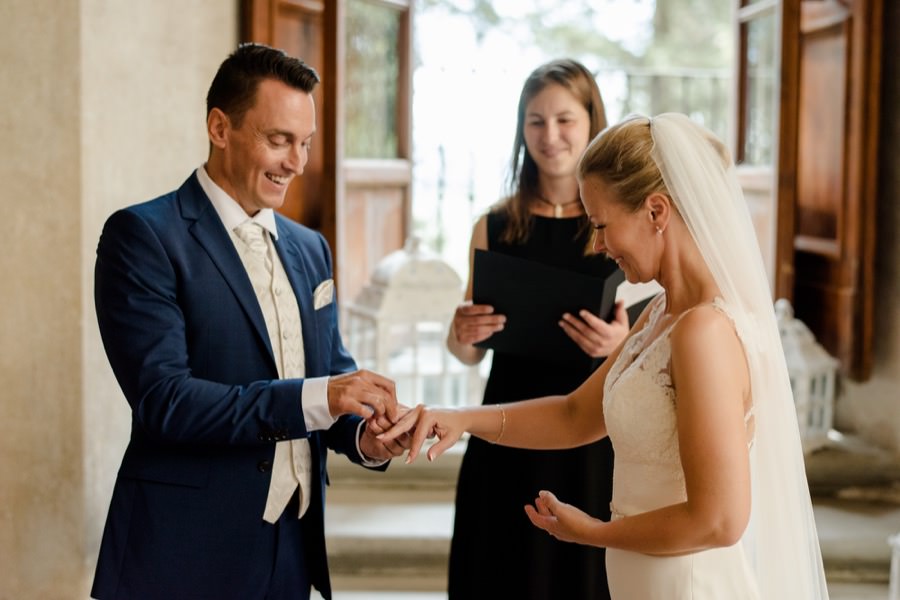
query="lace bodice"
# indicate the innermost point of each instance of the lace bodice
(639, 408)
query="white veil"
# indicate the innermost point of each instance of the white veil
(781, 541)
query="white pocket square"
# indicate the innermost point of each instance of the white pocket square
(324, 294)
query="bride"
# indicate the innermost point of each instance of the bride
(710, 498)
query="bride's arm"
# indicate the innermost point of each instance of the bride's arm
(709, 371)
(558, 422)
(551, 422)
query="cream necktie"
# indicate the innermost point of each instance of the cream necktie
(251, 233)
(292, 464)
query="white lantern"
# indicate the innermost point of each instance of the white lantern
(812, 372)
(397, 327)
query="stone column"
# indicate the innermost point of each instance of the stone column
(103, 105)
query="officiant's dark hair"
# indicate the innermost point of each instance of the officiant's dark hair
(233, 89)
(522, 177)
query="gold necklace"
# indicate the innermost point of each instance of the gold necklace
(557, 208)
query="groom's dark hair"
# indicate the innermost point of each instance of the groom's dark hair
(233, 89)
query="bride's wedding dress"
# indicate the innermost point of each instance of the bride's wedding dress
(639, 408)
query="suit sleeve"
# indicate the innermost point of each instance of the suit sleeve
(342, 436)
(139, 292)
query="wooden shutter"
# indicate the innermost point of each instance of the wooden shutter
(835, 202)
(825, 165)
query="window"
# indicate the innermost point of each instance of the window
(466, 88)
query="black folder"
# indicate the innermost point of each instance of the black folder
(534, 296)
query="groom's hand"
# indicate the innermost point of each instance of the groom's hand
(374, 448)
(363, 393)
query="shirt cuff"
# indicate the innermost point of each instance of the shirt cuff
(366, 462)
(315, 404)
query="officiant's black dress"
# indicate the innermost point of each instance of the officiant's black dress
(496, 553)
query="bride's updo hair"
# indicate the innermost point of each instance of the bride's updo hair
(620, 156)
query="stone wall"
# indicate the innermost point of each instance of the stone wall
(41, 329)
(103, 106)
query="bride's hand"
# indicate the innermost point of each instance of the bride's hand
(562, 521)
(426, 423)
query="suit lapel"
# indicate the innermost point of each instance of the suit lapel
(296, 265)
(206, 227)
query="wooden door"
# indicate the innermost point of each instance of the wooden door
(356, 188)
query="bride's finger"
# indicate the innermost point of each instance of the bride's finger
(424, 429)
(549, 502)
(406, 422)
(537, 519)
(542, 507)
(440, 447)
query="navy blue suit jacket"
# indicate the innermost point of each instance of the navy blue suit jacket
(187, 342)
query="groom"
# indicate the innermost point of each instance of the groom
(218, 318)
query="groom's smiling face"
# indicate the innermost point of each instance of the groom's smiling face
(268, 147)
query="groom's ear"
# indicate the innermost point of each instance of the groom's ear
(217, 124)
(658, 208)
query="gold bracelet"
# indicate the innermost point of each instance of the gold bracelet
(502, 425)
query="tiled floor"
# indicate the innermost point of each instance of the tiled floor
(853, 526)
(870, 525)
(856, 591)
(845, 591)
(388, 596)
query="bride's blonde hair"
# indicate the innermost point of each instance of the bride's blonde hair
(621, 155)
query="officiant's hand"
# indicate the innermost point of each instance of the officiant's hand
(563, 521)
(594, 336)
(473, 323)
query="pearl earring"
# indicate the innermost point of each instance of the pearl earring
(658, 230)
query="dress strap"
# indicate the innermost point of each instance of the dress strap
(717, 303)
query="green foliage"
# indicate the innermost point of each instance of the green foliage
(680, 60)
(691, 33)
(574, 40)
(481, 12)
(694, 33)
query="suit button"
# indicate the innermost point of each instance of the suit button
(264, 466)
